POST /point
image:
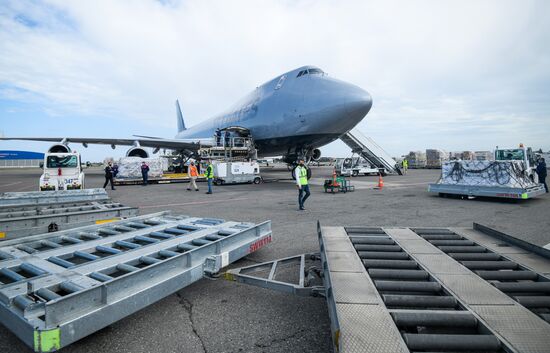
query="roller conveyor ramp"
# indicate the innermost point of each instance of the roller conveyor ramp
(370, 150)
(21, 220)
(57, 288)
(400, 289)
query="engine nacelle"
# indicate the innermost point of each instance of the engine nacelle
(137, 152)
(316, 154)
(59, 148)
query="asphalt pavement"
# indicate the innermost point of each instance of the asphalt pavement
(221, 316)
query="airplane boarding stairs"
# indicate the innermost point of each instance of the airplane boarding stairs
(370, 150)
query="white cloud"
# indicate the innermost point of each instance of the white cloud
(452, 73)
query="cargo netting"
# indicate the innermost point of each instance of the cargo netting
(486, 173)
(130, 167)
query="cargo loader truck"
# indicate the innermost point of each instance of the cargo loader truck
(62, 171)
(511, 175)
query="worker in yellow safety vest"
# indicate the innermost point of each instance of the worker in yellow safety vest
(405, 165)
(209, 175)
(300, 174)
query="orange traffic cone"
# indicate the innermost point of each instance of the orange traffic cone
(380, 181)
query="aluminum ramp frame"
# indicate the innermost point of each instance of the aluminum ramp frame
(21, 220)
(421, 299)
(56, 289)
(370, 150)
(487, 191)
(400, 289)
(41, 197)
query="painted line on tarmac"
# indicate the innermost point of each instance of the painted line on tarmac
(195, 203)
(10, 184)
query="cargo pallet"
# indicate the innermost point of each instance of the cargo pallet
(167, 179)
(401, 289)
(487, 191)
(60, 287)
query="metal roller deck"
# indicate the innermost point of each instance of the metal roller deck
(24, 219)
(41, 197)
(434, 289)
(58, 288)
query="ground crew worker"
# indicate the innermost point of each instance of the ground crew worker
(300, 174)
(109, 176)
(193, 174)
(218, 137)
(405, 164)
(227, 135)
(144, 173)
(209, 174)
(542, 173)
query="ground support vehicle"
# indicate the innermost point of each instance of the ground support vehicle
(512, 175)
(62, 171)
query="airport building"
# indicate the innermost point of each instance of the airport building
(20, 159)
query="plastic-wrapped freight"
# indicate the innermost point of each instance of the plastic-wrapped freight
(130, 167)
(435, 158)
(485, 173)
(484, 155)
(417, 159)
(468, 156)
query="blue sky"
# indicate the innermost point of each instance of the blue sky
(454, 75)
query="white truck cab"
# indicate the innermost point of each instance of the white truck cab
(524, 154)
(62, 171)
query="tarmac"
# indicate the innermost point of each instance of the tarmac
(221, 316)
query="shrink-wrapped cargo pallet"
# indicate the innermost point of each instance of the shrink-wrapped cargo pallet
(130, 167)
(486, 173)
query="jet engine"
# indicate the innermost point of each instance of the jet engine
(137, 152)
(315, 154)
(59, 148)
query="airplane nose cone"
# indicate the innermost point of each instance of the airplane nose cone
(358, 103)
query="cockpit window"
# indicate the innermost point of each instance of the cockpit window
(311, 72)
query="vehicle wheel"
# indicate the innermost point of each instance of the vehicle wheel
(257, 180)
(355, 173)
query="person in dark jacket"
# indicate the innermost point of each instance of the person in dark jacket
(218, 137)
(226, 138)
(115, 170)
(542, 173)
(144, 172)
(109, 176)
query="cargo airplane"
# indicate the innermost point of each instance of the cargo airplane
(292, 115)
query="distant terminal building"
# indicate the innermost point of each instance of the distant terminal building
(20, 159)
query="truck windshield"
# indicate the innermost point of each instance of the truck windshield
(61, 162)
(510, 155)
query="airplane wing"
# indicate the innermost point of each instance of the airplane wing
(173, 144)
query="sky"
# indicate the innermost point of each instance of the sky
(453, 75)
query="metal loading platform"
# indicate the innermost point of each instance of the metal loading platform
(435, 290)
(45, 197)
(21, 220)
(60, 287)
